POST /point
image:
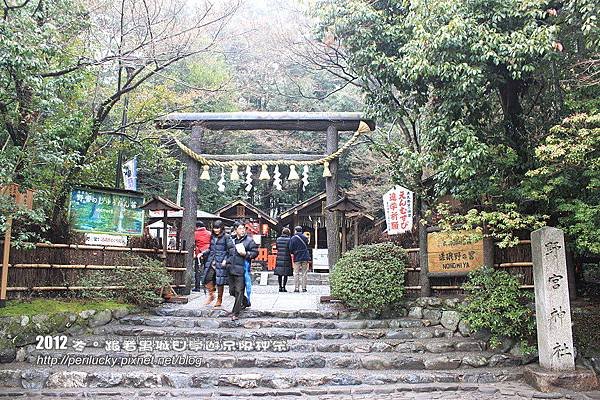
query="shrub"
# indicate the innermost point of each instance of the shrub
(142, 284)
(370, 277)
(495, 303)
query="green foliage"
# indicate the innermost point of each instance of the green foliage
(28, 225)
(440, 70)
(495, 303)
(568, 178)
(471, 90)
(370, 277)
(142, 284)
(500, 224)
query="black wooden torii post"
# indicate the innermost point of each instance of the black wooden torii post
(332, 123)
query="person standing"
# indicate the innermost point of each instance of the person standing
(202, 243)
(299, 248)
(244, 252)
(217, 257)
(283, 267)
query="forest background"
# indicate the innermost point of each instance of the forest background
(493, 104)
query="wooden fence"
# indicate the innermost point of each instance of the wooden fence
(58, 267)
(515, 260)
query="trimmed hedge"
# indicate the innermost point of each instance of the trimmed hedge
(370, 277)
(495, 303)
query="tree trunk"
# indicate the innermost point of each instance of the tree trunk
(513, 119)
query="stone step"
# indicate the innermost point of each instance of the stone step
(170, 311)
(274, 334)
(20, 375)
(391, 391)
(362, 346)
(258, 323)
(199, 360)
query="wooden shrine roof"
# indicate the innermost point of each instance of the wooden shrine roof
(345, 205)
(254, 209)
(160, 203)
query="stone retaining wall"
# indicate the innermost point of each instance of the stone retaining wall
(16, 333)
(444, 312)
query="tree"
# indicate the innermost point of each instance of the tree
(58, 100)
(474, 88)
(567, 180)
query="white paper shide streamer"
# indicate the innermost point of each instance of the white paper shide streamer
(248, 178)
(277, 178)
(305, 178)
(221, 182)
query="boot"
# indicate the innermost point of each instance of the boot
(220, 289)
(211, 293)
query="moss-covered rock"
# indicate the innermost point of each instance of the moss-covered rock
(8, 351)
(100, 318)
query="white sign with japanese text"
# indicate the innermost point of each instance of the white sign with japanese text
(398, 206)
(98, 239)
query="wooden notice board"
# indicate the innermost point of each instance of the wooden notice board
(446, 257)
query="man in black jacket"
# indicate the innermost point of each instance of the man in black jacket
(245, 251)
(299, 248)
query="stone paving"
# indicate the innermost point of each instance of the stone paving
(269, 298)
(331, 354)
(513, 390)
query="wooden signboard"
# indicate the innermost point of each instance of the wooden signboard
(106, 212)
(445, 257)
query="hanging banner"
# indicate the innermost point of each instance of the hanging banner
(398, 207)
(106, 211)
(130, 174)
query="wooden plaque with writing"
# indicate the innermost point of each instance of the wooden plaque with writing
(447, 258)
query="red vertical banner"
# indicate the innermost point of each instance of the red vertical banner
(398, 207)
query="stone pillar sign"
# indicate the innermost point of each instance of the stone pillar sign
(552, 307)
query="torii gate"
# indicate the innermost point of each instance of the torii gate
(332, 123)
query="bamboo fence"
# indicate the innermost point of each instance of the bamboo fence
(58, 267)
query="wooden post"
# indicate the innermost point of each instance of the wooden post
(177, 223)
(424, 272)
(165, 237)
(331, 189)
(571, 275)
(488, 248)
(344, 232)
(5, 261)
(356, 230)
(190, 203)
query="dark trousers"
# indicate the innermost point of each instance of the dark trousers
(237, 288)
(282, 280)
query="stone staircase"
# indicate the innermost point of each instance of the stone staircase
(266, 353)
